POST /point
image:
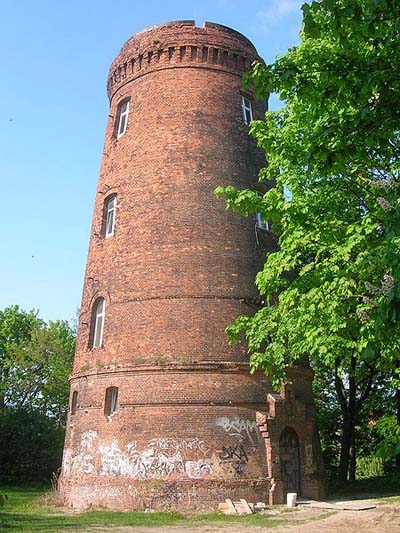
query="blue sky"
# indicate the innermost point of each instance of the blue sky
(55, 56)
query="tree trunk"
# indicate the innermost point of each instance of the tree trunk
(345, 445)
(353, 458)
(348, 406)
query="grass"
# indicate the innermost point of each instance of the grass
(27, 509)
(31, 509)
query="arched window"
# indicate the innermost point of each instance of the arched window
(110, 210)
(111, 401)
(99, 311)
(122, 118)
(74, 402)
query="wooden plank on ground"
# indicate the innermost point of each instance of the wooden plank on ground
(246, 506)
(231, 507)
(339, 506)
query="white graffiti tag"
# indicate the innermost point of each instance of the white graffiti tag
(239, 427)
(175, 446)
(75, 464)
(158, 459)
(87, 439)
(198, 469)
(152, 462)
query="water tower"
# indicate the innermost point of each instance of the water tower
(163, 413)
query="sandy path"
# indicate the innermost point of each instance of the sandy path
(383, 519)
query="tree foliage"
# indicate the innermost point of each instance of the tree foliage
(335, 278)
(35, 362)
(31, 445)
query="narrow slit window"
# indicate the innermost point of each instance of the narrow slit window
(98, 323)
(110, 214)
(247, 110)
(123, 112)
(215, 55)
(111, 401)
(74, 402)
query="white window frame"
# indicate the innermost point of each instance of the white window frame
(111, 401)
(110, 215)
(247, 110)
(98, 323)
(123, 112)
(261, 224)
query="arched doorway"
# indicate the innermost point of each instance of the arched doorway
(289, 453)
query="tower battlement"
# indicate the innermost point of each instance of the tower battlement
(181, 44)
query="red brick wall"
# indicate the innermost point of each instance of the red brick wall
(177, 270)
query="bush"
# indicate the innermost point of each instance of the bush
(369, 466)
(31, 445)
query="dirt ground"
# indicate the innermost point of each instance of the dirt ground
(385, 518)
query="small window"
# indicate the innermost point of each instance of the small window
(110, 209)
(122, 118)
(247, 110)
(74, 402)
(111, 401)
(261, 224)
(98, 323)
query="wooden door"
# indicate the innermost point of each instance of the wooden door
(290, 460)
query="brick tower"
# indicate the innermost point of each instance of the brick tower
(163, 413)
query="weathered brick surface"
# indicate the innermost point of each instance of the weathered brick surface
(178, 269)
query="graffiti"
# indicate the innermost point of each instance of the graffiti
(87, 466)
(159, 459)
(67, 462)
(196, 469)
(239, 427)
(113, 462)
(87, 439)
(73, 465)
(309, 467)
(239, 468)
(233, 453)
(180, 445)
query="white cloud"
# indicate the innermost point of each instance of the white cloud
(276, 11)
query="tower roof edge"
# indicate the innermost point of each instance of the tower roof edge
(164, 45)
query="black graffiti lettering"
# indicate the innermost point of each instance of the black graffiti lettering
(239, 468)
(233, 453)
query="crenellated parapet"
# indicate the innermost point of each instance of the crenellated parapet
(181, 44)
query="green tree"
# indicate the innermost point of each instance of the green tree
(16, 327)
(38, 373)
(335, 147)
(35, 362)
(31, 445)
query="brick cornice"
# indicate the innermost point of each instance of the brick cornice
(181, 44)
